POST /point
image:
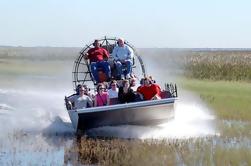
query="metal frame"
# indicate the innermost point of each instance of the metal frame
(172, 88)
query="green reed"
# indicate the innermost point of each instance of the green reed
(201, 151)
(219, 65)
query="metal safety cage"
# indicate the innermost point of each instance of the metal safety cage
(81, 73)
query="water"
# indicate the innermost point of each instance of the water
(192, 119)
(35, 125)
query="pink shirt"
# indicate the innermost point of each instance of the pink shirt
(101, 99)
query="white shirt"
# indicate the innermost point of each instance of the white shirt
(134, 88)
(81, 101)
(113, 93)
(122, 53)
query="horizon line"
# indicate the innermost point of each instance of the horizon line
(227, 48)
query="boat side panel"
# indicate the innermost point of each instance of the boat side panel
(128, 105)
(74, 118)
(137, 115)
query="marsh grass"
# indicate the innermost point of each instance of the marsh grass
(230, 100)
(218, 65)
(201, 151)
(234, 129)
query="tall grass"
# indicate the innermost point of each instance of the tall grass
(154, 152)
(219, 65)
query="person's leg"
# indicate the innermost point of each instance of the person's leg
(128, 67)
(112, 68)
(94, 71)
(106, 68)
(118, 68)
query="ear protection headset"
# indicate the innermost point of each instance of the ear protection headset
(94, 43)
(122, 40)
(78, 88)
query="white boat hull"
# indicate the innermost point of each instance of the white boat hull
(137, 113)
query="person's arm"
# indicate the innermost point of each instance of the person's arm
(68, 103)
(105, 54)
(130, 53)
(95, 101)
(89, 100)
(157, 92)
(155, 97)
(132, 95)
(108, 99)
(114, 53)
(120, 94)
(140, 93)
(87, 54)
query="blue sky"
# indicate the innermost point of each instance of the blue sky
(156, 23)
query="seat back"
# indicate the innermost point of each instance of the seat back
(109, 47)
(114, 101)
(165, 94)
(102, 76)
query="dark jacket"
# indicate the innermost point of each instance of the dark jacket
(126, 97)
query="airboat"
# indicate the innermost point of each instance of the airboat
(135, 113)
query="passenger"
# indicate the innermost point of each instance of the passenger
(126, 94)
(113, 91)
(102, 97)
(106, 86)
(134, 87)
(149, 91)
(87, 92)
(98, 57)
(133, 84)
(80, 100)
(141, 84)
(123, 55)
(78, 89)
(120, 83)
(152, 80)
(69, 100)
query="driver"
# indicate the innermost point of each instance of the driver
(123, 55)
(98, 57)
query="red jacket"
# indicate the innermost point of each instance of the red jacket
(97, 54)
(149, 91)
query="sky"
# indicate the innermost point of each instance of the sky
(144, 23)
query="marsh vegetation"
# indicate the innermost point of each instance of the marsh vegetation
(220, 78)
(219, 65)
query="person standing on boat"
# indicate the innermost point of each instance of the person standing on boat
(102, 97)
(123, 55)
(98, 57)
(126, 94)
(81, 100)
(149, 91)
